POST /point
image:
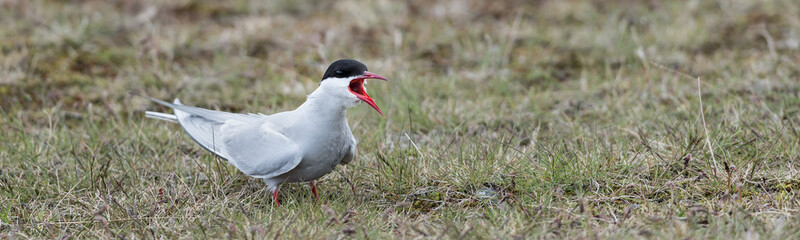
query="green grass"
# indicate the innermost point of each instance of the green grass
(505, 119)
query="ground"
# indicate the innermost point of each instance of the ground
(504, 119)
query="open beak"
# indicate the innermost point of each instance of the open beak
(357, 88)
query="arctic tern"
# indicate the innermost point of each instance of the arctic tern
(301, 145)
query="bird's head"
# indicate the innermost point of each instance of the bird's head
(345, 80)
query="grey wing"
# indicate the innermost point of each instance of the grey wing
(203, 125)
(259, 151)
(205, 132)
(239, 138)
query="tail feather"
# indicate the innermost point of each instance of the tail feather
(212, 115)
(161, 116)
(202, 125)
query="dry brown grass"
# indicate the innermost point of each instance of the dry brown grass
(505, 119)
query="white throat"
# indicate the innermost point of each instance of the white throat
(329, 100)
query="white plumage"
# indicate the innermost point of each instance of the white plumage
(294, 146)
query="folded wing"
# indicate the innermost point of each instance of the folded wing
(259, 151)
(241, 139)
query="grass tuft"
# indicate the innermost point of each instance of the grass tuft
(505, 119)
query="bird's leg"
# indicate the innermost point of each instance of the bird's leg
(275, 197)
(314, 190)
(273, 186)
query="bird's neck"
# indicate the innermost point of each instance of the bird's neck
(323, 106)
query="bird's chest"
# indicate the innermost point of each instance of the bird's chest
(329, 149)
(323, 150)
(323, 143)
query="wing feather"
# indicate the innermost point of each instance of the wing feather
(258, 150)
(241, 139)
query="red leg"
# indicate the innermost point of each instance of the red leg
(314, 190)
(275, 197)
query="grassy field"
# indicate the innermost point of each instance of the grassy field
(505, 119)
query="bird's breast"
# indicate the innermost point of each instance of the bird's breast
(322, 151)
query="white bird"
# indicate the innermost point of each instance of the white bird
(293, 146)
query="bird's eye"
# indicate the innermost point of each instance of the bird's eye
(339, 72)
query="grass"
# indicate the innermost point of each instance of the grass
(505, 119)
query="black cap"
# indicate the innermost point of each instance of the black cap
(345, 68)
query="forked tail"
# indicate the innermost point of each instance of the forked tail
(161, 116)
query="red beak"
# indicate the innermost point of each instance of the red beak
(357, 88)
